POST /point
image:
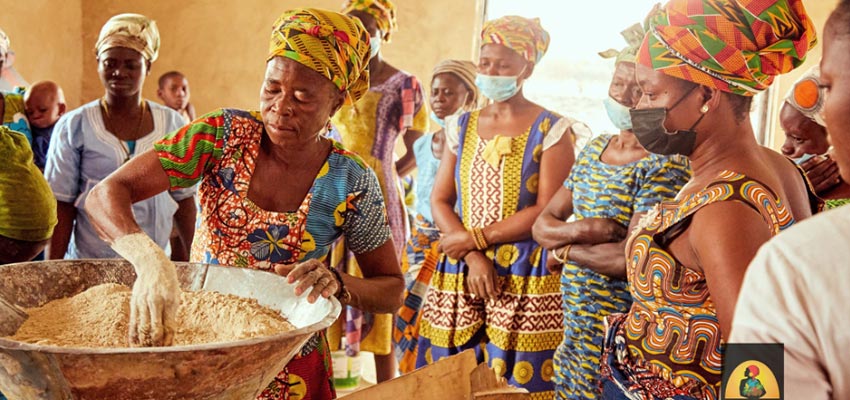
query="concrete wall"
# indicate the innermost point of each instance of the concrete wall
(47, 44)
(221, 45)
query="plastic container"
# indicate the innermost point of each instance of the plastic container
(347, 370)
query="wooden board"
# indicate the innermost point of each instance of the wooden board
(443, 380)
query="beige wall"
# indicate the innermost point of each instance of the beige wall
(221, 45)
(819, 11)
(47, 44)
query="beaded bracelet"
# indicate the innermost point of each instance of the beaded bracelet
(344, 296)
(479, 238)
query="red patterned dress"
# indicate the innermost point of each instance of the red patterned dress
(220, 150)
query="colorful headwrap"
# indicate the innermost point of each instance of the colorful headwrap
(382, 10)
(327, 42)
(463, 70)
(4, 43)
(736, 46)
(522, 35)
(807, 96)
(133, 31)
(634, 36)
(27, 205)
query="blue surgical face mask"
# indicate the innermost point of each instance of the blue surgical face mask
(497, 88)
(442, 122)
(437, 119)
(374, 46)
(618, 114)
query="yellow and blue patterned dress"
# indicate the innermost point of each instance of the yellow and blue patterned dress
(517, 332)
(617, 192)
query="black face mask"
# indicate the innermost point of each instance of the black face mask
(648, 126)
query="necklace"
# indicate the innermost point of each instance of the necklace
(107, 121)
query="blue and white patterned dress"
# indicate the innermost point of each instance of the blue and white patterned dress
(601, 190)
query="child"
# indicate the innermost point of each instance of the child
(174, 92)
(44, 103)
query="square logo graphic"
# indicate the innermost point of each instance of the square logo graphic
(753, 371)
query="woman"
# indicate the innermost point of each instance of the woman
(96, 139)
(392, 109)
(795, 291)
(27, 207)
(500, 166)
(316, 62)
(453, 91)
(613, 184)
(686, 258)
(801, 117)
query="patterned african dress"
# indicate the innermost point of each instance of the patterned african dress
(220, 150)
(420, 258)
(517, 332)
(371, 128)
(669, 344)
(617, 192)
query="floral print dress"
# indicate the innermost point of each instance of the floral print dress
(220, 150)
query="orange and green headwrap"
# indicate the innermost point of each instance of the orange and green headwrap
(736, 46)
(382, 10)
(522, 35)
(327, 42)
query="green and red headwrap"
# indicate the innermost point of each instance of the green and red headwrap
(737, 46)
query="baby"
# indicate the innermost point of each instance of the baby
(174, 92)
(44, 104)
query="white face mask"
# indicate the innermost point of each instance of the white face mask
(374, 46)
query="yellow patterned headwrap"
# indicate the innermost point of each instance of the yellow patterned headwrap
(27, 205)
(133, 31)
(382, 10)
(522, 35)
(330, 43)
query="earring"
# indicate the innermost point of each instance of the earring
(704, 108)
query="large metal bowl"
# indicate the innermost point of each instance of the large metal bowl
(231, 370)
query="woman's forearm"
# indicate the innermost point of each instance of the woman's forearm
(380, 294)
(608, 259)
(109, 207)
(109, 204)
(552, 232)
(446, 218)
(514, 228)
(66, 213)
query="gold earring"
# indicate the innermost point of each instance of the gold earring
(704, 108)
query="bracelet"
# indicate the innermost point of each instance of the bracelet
(565, 254)
(344, 296)
(479, 238)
